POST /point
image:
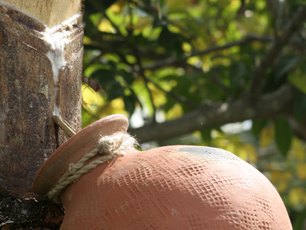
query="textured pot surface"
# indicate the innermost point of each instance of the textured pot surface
(167, 188)
(74, 149)
(176, 187)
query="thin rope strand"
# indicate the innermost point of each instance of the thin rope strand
(108, 147)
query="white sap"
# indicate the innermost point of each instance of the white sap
(56, 39)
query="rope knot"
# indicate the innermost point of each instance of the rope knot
(115, 145)
(107, 147)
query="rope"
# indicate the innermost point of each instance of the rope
(108, 147)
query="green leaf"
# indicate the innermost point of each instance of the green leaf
(285, 64)
(219, 130)
(299, 106)
(127, 76)
(104, 76)
(238, 78)
(129, 104)
(258, 125)
(283, 135)
(206, 135)
(170, 41)
(95, 18)
(298, 78)
(87, 117)
(115, 91)
(90, 29)
(136, 99)
(147, 2)
(130, 100)
(299, 220)
(169, 104)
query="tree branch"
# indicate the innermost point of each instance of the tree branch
(176, 97)
(217, 114)
(140, 69)
(215, 78)
(146, 81)
(94, 60)
(274, 51)
(156, 12)
(173, 60)
(249, 38)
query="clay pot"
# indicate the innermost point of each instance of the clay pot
(174, 187)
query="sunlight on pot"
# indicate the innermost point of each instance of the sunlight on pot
(173, 187)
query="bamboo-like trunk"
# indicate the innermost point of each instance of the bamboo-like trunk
(41, 50)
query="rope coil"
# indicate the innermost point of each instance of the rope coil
(108, 147)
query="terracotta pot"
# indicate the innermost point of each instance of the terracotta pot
(175, 187)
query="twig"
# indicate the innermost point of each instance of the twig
(274, 51)
(244, 41)
(142, 75)
(279, 19)
(86, 107)
(135, 51)
(91, 83)
(156, 12)
(131, 29)
(217, 80)
(242, 8)
(92, 61)
(100, 8)
(64, 125)
(151, 96)
(173, 60)
(175, 96)
(140, 71)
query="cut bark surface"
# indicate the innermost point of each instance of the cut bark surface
(28, 134)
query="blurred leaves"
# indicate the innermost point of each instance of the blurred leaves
(257, 126)
(299, 106)
(267, 136)
(283, 135)
(165, 59)
(171, 42)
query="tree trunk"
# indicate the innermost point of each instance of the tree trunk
(41, 47)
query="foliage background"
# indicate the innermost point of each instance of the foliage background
(160, 62)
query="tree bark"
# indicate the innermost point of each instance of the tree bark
(217, 114)
(40, 76)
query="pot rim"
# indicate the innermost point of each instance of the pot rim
(74, 149)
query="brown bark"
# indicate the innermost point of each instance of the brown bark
(28, 134)
(216, 114)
